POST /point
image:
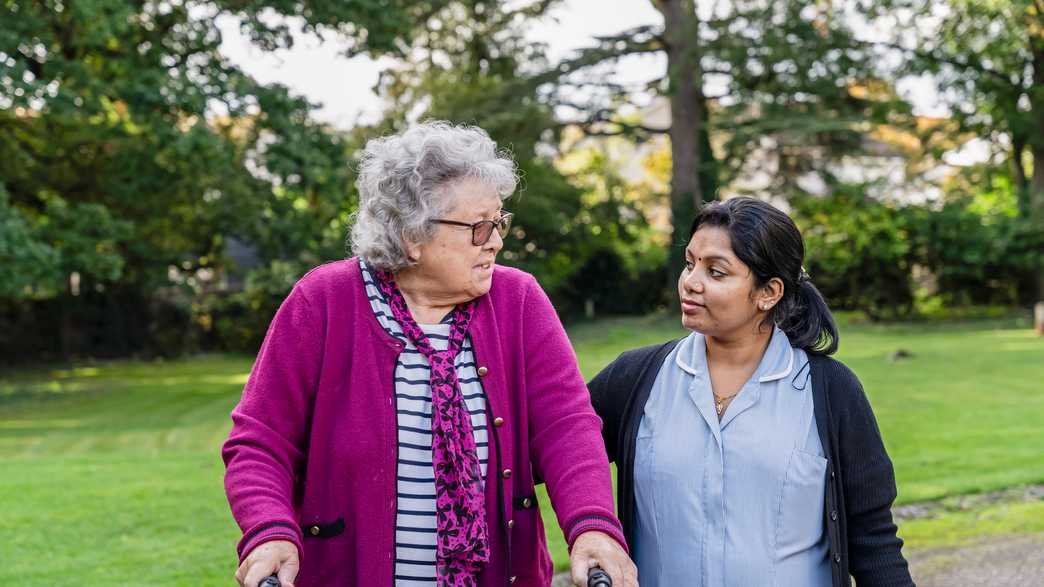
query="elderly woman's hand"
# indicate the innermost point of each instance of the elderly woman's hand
(277, 556)
(596, 548)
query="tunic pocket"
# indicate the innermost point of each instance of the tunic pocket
(800, 523)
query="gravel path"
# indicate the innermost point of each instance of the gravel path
(927, 509)
(999, 563)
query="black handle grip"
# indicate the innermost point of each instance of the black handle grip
(595, 578)
(598, 578)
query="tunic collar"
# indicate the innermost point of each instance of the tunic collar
(775, 364)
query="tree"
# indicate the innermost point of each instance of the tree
(131, 152)
(689, 111)
(745, 76)
(472, 64)
(988, 61)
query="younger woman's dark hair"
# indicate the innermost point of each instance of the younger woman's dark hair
(769, 242)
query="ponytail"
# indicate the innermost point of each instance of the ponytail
(806, 320)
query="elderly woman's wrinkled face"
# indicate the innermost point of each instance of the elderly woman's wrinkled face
(460, 270)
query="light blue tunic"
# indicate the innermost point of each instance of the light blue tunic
(735, 504)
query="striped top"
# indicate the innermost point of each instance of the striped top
(415, 491)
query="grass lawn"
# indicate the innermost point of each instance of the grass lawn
(112, 474)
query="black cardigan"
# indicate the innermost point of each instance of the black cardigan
(861, 484)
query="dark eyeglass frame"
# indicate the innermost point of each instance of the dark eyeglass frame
(501, 225)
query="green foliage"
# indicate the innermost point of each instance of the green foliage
(979, 243)
(887, 259)
(132, 152)
(987, 59)
(239, 320)
(982, 56)
(86, 238)
(38, 254)
(618, 255)
(976, 259)
(24, 258)
(858, 251)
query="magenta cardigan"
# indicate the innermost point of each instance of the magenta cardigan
(312, 454)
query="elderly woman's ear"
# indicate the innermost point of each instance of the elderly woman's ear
(412, 249)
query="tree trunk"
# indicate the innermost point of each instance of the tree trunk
(1036, 195)
(1022, 188)
(68, 325)
(688, 105)
(1037, 199)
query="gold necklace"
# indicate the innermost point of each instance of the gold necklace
(719, 401)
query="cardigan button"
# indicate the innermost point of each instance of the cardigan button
(833, 515)
(527, 503)
(511, 524)
(314, 530)
(482, 371)
(837, 558)
(498, 421)
(513, 579)
(506, 473)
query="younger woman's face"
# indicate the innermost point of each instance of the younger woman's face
(716, 289)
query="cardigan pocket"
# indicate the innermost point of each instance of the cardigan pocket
(319, 530)
(327, 550)
(530, 559)
(800, 524)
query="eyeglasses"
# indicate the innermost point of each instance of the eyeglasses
(482, 230)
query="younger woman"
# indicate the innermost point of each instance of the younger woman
(746, 455)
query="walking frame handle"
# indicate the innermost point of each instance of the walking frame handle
(596, 577)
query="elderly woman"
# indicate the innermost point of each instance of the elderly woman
(405, 399)
(747, 456)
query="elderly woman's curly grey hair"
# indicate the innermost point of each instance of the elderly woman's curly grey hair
(402, 181)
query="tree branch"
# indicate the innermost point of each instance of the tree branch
(614, 88)
(635, 41)
(622, 129)
(935, 56)
(594, 125)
